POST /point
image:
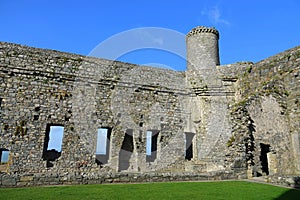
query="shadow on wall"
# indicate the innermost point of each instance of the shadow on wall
(126, 151)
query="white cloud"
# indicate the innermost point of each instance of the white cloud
(214, 15)
(150, 37)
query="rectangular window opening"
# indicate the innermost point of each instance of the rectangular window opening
(103, 145)
(4, 156)
(53, 143)
(189, 145)
(151, 145)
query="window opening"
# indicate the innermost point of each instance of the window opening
(4, 157)
(4, 154)
(53, 143)
(148, 143)
(103, 145)
(151, 145)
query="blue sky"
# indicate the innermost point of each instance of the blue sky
(56, 137)
(101, 141)
(249, 30)
(4, 156)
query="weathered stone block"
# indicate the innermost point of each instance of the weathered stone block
(9, 181)
(26, 178)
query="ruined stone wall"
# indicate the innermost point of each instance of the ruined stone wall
(240, 121)
(265, 117)
(43, 87)
(209, 99)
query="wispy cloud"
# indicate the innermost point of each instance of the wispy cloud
(150, 37)
(214, 16)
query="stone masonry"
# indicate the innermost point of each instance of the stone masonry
(210, 122)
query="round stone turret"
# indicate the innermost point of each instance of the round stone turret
(202, 48)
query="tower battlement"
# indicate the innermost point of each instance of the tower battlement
(202, 29)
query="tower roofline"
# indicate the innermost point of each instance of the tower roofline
(202, 29)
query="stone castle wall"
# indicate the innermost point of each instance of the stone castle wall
(241, 122)
(266, 119)
(43, 87)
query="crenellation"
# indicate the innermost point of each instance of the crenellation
(203, 29)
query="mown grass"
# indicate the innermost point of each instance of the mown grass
(157, 191)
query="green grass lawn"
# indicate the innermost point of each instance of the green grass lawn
(176, 190)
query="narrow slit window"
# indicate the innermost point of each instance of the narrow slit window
(102, 145)
(1, 103)
(53, 143)
(151, 145)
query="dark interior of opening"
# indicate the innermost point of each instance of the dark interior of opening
(103, 158)
(53, 154)
(126, 150)
(154, 137)
(265, 149)
(189, 145)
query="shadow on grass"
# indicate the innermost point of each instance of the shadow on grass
(290, 195)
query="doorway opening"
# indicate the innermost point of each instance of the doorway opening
(126, 150)
(264, 150)
(189, 145)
